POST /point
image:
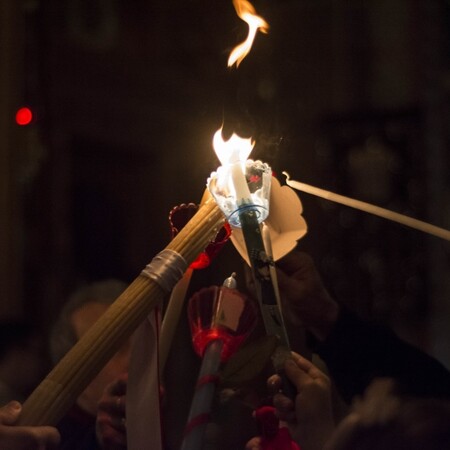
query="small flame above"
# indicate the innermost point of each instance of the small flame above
(247, 13)
(235, 149)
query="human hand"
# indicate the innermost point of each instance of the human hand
(24, 437)
(305, 300)
(254, 443)
(309, 418)
(111, 416)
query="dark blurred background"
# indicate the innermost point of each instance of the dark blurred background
(351, 96)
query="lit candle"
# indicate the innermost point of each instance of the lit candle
(242, 192)
(233, 154)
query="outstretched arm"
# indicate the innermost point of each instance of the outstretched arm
(305, 300)
(355, 351)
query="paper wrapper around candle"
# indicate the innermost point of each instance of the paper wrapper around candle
(285, 223)
(59, 390)
(227, 187)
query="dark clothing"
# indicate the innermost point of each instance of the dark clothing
(356, 352)
(77, 429)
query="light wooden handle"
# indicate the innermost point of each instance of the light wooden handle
(58, 391)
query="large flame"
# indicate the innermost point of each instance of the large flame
(247, 13)
(234, 150)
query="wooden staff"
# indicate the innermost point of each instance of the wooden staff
(58, 391)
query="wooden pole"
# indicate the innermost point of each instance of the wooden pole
(58, 391)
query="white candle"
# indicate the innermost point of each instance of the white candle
(203, 397)
(233, 154)
(265, 232)
(240, 185)
(372, 209)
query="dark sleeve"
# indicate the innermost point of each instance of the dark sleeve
(356, 352)
(77, 432)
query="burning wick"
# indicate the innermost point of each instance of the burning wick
(247, 13)
(372, 209)
(239, 183)
(233, 154)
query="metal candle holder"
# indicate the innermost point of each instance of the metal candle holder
(248, 212)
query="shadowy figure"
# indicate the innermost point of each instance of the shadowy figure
(97, 420)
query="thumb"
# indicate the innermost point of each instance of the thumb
(254, 444)
(10, 413)
(295, 374)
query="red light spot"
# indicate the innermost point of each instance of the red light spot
(24, 116)
(201, 262)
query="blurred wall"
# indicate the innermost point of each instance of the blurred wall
(349, 96)
(11, 141)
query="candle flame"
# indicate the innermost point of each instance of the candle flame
(235, 149)
(247, 13)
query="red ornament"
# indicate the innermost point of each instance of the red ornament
(180, 215)
(219, 312)
(273, 437)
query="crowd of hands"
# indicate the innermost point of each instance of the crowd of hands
(308, 416)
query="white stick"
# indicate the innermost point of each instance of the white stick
(273, 272)
(172, 316)
(372, 209)
(203, 397)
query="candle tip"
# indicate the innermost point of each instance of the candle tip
(230, 282)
